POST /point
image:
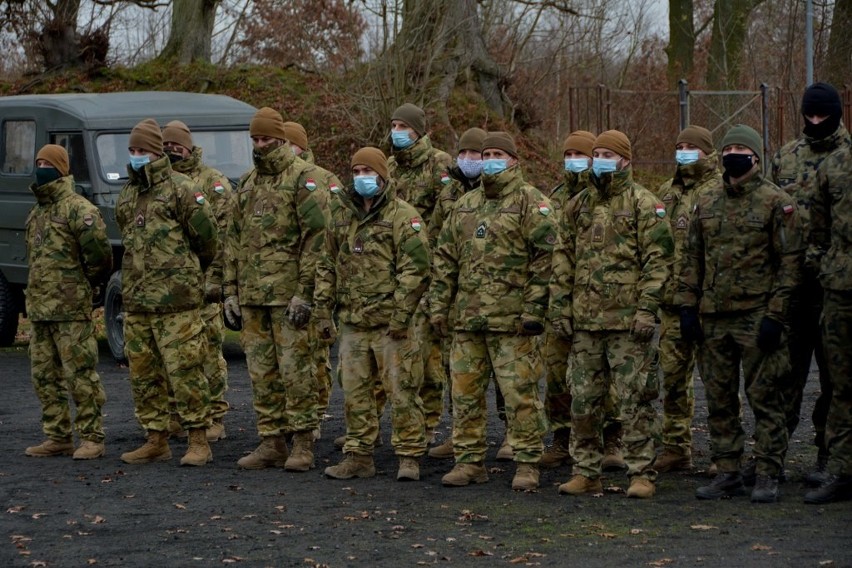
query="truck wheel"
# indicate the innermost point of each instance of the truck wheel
(9, 310)
(114, 316)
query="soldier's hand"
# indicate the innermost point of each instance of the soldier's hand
(233, 314)
(212, 293)
(562, 328)
(530, 327)
(326, 332)
(299, 312)
(398, 333)
(690, 325)
(769, 336)
(643, 326)
(440, 326)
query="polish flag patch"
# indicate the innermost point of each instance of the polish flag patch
(788, 209)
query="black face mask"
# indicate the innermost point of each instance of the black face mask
(737, 165)
(175, 158)
(822, 130)
(46, 175)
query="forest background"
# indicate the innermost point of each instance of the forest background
(537, 68)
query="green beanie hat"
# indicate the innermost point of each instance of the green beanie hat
(56, 155)
(147, 136)
(697, 136)
(178, 133)
(413, 116)
(745, 136)
(615, 141)
(581, 141)
(267, 122)
(501, 141)
(472, 139)
(374, 158)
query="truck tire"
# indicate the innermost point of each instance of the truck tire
(9, 310)
(114, 316)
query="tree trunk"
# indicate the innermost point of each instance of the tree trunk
(191, 31)
(58, 41)
(838, 62)
(730, 25)
(681, 48)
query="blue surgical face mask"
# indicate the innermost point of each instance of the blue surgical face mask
(366, 186)
(576, 165)
(401, 138)
(602, 166)
(686, 157)
(494, 166)
(470, 167)
(138, 162)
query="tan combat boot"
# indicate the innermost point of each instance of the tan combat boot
(505, 453)
(352, 465)
(216, 432)
(526, 477)
(612, 459)
(444, 451)
(560, 452)
(580, 484)
(302, 456)
(671, 460)
(198, 452)
(89, 450)
(175, 428)
(641, 488)
(272, 452)
(465, 474)
(156, 449)
(409, 469)
(50, 448)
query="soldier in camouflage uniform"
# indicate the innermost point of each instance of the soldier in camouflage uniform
(276, 235)
(373, 273)
(794, 170)
(742, 263)
(492, 266)
(831, 249)
(420, 172)
(68, 254)
(186, 159)
(608, 275)
(170, 238)
(697, 170)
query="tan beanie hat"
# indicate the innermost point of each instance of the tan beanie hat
(581, 141)
(268, 122)
(413, 116)
(501, 141)
(698, 136)
(296, 134)
(615, 141)
(147, 136)
(471, 139)
(178, 133)
(374, 158)
(56, 155)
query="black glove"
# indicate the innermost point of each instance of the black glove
(690, 325)
(769, 336)
(530, 327)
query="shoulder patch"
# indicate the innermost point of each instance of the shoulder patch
(199, 197)
(788, 209)
(334, 188)
(660, 210)
(88, 219)
(445, 178)
(218, 187)
(543, 209)
(310, 184)
(416, 224)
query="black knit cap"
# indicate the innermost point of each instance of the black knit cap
(821, 99)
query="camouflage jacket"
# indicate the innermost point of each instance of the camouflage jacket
(492, 263)
(420, 171)
(327, 180)
(217, 190)
(277, 233)
(169, 239)
(68, 253)
(450, 194)
(679, 195)
(614, 255)
(376, 264)
(572, 183)
(831, 221)
(744, 250)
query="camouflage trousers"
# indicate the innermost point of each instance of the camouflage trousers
(557, 399)
(279, 362)
(366, 354)
(320, 369)
(215, 366)
(677, 362)
(517, 367)
(63, 355)
(434, 371)
(166, 351)
(731, 341)
(601, 360)
(837, 339)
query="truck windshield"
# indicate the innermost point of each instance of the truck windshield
(229, 151)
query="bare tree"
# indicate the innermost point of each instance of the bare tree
(191, 31)
(730, 26)
(681, 47)
(838, 64)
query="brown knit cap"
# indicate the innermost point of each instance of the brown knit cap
(296, 134)
(501, 141)
(56, 155)
(413, 116)
(615, 141)
(147, 136)
(178, 133)
(581, 141)
(698, 136)
(471, 139)
(268, 122)
(374, 158)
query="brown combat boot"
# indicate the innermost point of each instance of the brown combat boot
(156, 449)
(580, 484)
(302, 456)
(505, 453)
(409, 469)
(465, 474)
(444, 451)
(672, 460)
(272, 452)
(641, 488)
(526, 477)
(612, 458)
(89, 450)
(175, 428)
(198, 452)
(352, 465)
(50, 448)
(559, 452)
(216, 432)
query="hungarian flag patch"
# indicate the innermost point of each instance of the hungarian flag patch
(333, 188)
(544, 209)
(199, 197)
(788, 209)
(416, 224)
(218, 187)
(660, 210)
(445, 178)
(310, 184)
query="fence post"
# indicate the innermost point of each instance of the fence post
(764, 108)
(603, 110)
(683, 101)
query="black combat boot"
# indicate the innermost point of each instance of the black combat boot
(765, 489)
(834, 488)
(725, 484)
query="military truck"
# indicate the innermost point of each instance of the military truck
(95, 129)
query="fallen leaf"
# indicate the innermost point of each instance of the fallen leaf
(179, 506)
(15, 509)
(702, 527)
(661, 562)
(607, 535)
(91, 561)
(761, 547)
(479, 552)
(38, 515)
(416, 545)
(826, 562)
(635, 531)
(518, 560)
(98, 520)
